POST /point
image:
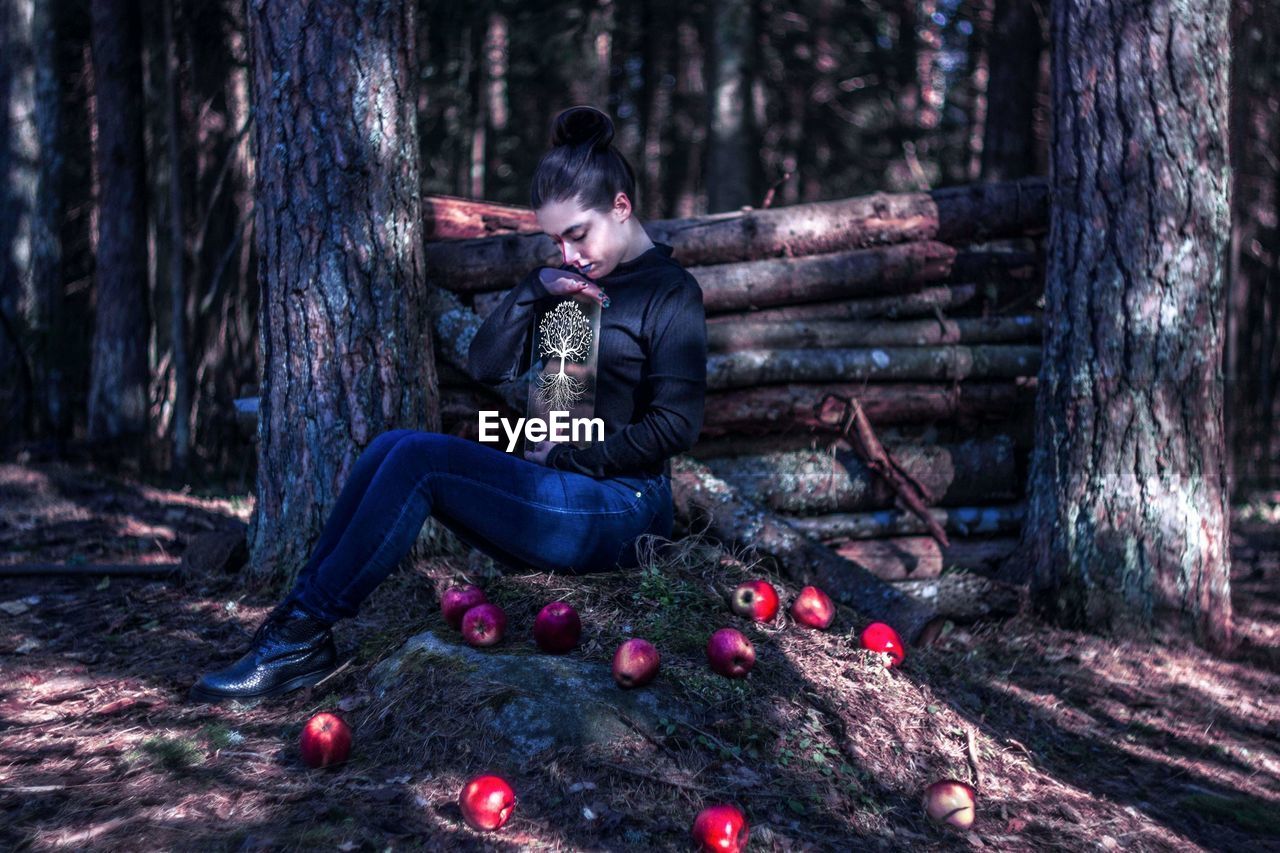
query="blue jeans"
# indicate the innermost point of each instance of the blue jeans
(521, 513)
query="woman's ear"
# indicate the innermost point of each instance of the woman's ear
(621, 207)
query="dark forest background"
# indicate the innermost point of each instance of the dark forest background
(718, 104)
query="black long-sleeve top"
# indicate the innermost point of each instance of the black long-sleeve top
(651, 378)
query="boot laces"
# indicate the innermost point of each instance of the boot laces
(274, 618)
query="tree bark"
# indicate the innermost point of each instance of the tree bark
(347, 346)
(52, 367)
(955, 215)
(704, 501)
(815, 481)
(731, 148)
(118, 405)
(751, 368)
(1008, 145)
(15, 381)
(1127, 513)
(177, 255)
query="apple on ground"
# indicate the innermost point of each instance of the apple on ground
(486, 802)
(557, 628)
(635, 663)
(721, 828)
(325, 740)
(756, 600)
(730, 653)
(879, 637)
(813, 608)
(950, 801)
(457, 600)
(484, 624)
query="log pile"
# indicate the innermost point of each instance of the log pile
(923, 307)
(920, 306)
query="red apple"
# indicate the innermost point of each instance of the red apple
(484, 624)
(326, 740)
(721, 828)
(813, 608)
(486, 802)
(730, 653)
(635, 663)
(879, 637)
(557, 628)
(950, 801)
(756, 600)
(458, 600)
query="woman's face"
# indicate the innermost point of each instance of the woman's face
(592, 241)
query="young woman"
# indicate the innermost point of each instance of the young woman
(558, 508)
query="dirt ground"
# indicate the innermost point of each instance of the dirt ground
(1079, 743)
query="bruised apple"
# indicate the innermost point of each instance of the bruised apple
(730, 653)
(635, 663)
(456, 601)
(326, 740)
(950, 801)
(813, 608)
(721, 828)
(486, 802)
(756, 600)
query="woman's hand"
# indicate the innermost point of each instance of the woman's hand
(540, 452)
(562, 283)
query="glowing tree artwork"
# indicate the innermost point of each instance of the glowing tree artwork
(564, 333)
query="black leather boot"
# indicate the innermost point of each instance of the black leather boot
(291, 649)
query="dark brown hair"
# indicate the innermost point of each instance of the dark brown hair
(582, 163)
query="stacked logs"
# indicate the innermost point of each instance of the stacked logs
(920, 306)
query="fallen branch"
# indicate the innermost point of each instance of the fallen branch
(964, 597)
(858, 430)
(703, 499)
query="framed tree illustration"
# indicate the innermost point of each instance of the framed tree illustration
(565, 348)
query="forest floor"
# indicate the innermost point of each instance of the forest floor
(1081, 742)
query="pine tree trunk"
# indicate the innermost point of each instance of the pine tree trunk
(50, 365)
(1008, 146)
(346, 336)
(1127, 514)
(118, 384)
(182, 379)
(15, 380)
(730, 148)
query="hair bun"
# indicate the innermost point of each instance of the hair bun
(582, 125)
